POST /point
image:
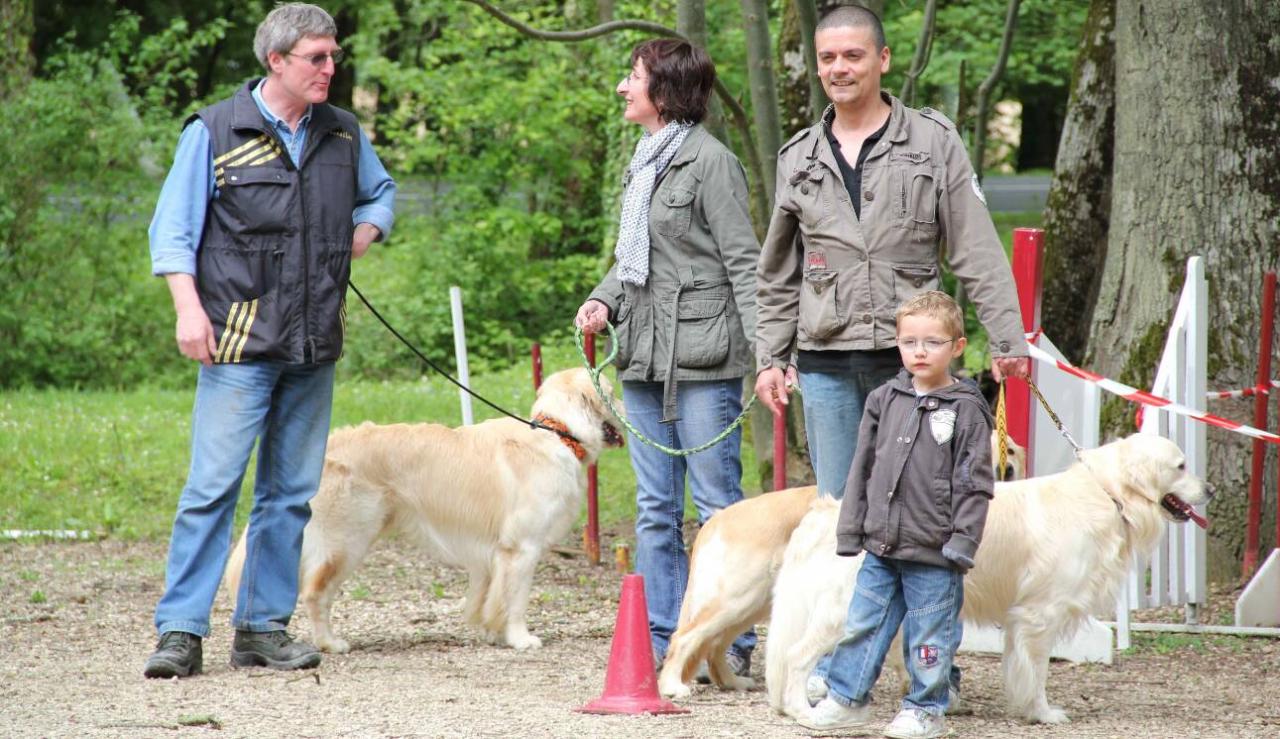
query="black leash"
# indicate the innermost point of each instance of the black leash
(530, 423)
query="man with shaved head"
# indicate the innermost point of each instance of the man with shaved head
(865, 198)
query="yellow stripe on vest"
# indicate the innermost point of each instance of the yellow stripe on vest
(235, 333)
(239, 149)
(227, 332)
(244, 332)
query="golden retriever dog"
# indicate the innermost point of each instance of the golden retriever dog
(732, 568)
(490, 498)
(1055, 551)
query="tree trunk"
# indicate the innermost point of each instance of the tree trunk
(988, 86)
(764, 91)
(920, 60)
(16, 61)
(1197, 171)
(1078, 212)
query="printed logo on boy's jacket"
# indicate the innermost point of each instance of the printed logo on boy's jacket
(942, 424)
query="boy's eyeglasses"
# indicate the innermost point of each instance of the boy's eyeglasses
(930, 345)
(318, 60)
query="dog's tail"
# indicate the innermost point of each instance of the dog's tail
(235, 566)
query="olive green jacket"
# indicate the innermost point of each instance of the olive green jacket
(829, 281)
(701, 294)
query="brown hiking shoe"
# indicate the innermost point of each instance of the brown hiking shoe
(275, 649)
(178, 654)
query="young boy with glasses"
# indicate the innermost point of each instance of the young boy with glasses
(916, 502)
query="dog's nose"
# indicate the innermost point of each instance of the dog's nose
(1210, 490)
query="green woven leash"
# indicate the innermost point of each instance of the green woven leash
(608, 400)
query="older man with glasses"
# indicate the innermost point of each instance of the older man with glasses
(272, 193)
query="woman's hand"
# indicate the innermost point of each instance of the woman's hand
(592, 316)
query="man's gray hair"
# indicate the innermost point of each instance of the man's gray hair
(288, 24)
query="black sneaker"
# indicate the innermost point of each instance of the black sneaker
(275, 649)
(178, 654)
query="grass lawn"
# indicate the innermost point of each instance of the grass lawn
(114, 462)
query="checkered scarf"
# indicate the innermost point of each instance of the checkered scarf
(654, 152)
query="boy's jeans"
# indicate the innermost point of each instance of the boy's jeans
(705, 409)
(926, 600)
(288, 407)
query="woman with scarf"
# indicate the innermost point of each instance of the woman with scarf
(681, 296)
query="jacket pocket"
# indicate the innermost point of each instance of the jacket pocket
(245, 328)
(820, 311)
(674, 213)
(702, 339)
(910, 280)
(622, 327)
(258, 198)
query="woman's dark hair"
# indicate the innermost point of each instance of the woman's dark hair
(680, 78)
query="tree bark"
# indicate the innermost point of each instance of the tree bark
(17, 24)
(920, 60)
(691, 22)
(1078, 212)
(1197, 171)
(988, 86)
(764, 92)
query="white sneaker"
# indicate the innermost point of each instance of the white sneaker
(916, 723)
(829, 716)
(815, 689)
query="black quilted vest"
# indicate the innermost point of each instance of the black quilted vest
(275, 254)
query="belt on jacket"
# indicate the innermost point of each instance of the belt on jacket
(670, 385)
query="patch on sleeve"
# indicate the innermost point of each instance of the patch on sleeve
(927, 656)
(977, 189)
(942, 424)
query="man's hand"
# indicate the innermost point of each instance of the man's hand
(1002, 367)
(773, 387)
(592, 316)
(366, 234)
(195, 335)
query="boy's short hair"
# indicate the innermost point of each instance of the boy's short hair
(937, 305)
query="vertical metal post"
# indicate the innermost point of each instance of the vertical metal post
(1260, 421)
(780, 450)
(460, 352)
(1028, 262)
(536, 354)
(591, 535)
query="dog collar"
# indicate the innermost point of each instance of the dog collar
(561, 430)
(1114, 499)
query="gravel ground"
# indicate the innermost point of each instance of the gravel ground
(75, 628)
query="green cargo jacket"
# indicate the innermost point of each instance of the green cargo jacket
(829, 281)
(701, 294)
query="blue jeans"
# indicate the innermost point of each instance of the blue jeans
(286, 408)
(925, 600)
(832, 411)
(715, 477)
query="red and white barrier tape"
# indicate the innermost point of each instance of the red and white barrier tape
(1245, 393)
(1146, 398)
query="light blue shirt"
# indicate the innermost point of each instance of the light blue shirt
(183, 204)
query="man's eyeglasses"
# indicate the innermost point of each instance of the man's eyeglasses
(930, 345)
(318, 60)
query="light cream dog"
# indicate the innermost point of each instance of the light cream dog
(732, 569)
(1055, 551)
(490, 498)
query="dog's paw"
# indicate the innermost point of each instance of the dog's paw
(1050, 715)
(524, 641)
(333, 645)
(677, 690)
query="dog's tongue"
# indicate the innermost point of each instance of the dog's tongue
(1201, 521)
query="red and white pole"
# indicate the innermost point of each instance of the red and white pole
(1028, 275)
(779, 450)
(1260, 421)
(536, 355)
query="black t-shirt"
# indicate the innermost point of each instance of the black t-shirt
(850, 361)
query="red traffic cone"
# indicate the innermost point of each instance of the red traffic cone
(631, 683)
